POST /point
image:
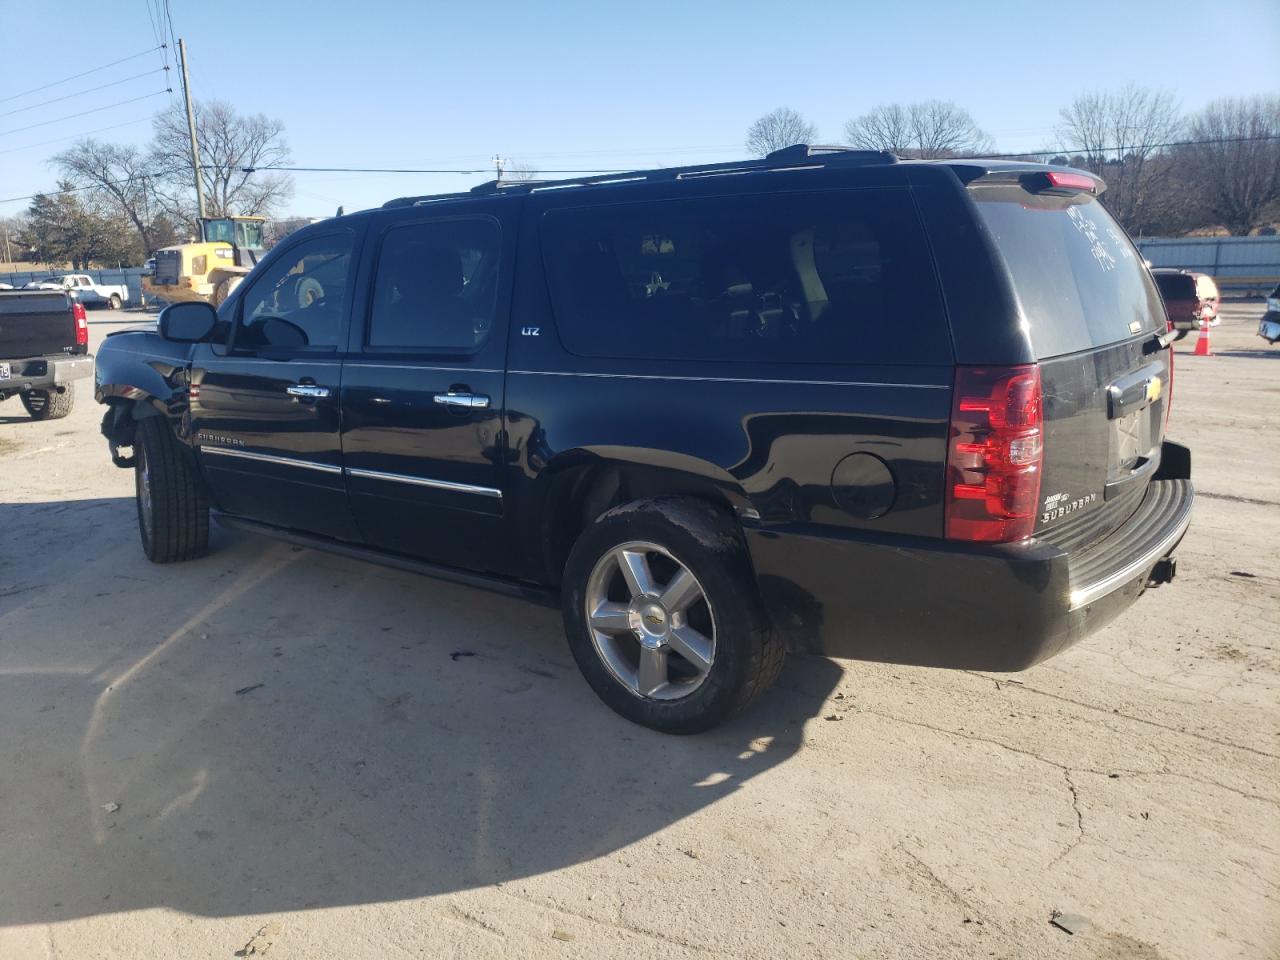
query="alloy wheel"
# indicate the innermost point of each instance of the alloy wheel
(650, 620)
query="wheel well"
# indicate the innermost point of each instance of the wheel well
(120, 425)
(578, 494)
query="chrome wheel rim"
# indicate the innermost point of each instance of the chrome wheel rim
(144, 490)
(650, 621)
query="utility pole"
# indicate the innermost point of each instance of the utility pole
(191, 129)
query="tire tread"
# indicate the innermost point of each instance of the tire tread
(180, 520)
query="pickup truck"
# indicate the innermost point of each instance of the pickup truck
(83, 288)
(44, 349)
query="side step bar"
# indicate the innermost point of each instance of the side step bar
(512, 588)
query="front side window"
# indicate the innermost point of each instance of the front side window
(436, 286)
(299, 300)
(838, 277)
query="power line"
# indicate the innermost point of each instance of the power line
(81, 93)
(45, 143)
(987, 156)
(402, 170)
(82, 113)
(77, 76)
(141, 177)
(1093, 151)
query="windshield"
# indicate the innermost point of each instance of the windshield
(219, 231)
(1079, 280)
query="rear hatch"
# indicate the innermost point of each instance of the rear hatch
(1180, 300)
(35, 323)
(1094, 320)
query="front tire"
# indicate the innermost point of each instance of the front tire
(662, 615)
(173, 509)
(49, 404)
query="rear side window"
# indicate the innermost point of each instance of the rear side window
(839, 277)
(1079, 279)
(1176, 286)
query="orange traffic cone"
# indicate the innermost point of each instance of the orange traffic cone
(1202, 343)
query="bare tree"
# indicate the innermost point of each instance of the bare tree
(10, 229)
(517, 171)
(122, 180)
(779, 128)
(1238, 170)
(926, 130)
(1119, 133)
(231, 145)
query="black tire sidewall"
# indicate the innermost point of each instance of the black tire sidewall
(144, 460)
(708, 545)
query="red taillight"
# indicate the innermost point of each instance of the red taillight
(1071, 181)
(995, 453)
(82, 324)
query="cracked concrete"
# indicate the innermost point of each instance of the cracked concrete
(376, 798)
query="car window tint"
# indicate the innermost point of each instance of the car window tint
(436, 286)
(837, 277)
(299, 300)
(1175, 286)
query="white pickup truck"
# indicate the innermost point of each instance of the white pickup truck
(82, 287)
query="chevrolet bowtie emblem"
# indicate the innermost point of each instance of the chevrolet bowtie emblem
(1154, 387)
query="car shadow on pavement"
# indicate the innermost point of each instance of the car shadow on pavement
(271, 729)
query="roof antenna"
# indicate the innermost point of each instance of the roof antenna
(341, 211)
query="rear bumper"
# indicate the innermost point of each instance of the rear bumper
(45, 373)
(964, 606)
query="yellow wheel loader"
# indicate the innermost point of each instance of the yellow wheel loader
(210, 268)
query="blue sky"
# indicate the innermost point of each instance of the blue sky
(603, 85)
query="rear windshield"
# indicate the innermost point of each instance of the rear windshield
(1176, 286)
(1079, 280)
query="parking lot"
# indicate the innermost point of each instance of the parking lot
(275, 750)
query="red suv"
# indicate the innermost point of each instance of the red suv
(1188, 297)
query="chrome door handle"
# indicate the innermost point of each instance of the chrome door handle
(307, 390)
(474, 401)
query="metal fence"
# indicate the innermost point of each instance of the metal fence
(1242, 266)
(129, 276)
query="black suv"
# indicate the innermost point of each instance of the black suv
(827, 401)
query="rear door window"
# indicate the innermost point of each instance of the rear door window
(837, 277)
(1176, 286)
(436, 286)
(1080, 281)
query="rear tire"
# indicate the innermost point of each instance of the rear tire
(116, 302)
(173, 509)
(714, 653)
(49, 404)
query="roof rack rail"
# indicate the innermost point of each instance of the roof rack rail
(798, 152)
(800, 155)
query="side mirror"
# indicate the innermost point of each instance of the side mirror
(192, 321)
